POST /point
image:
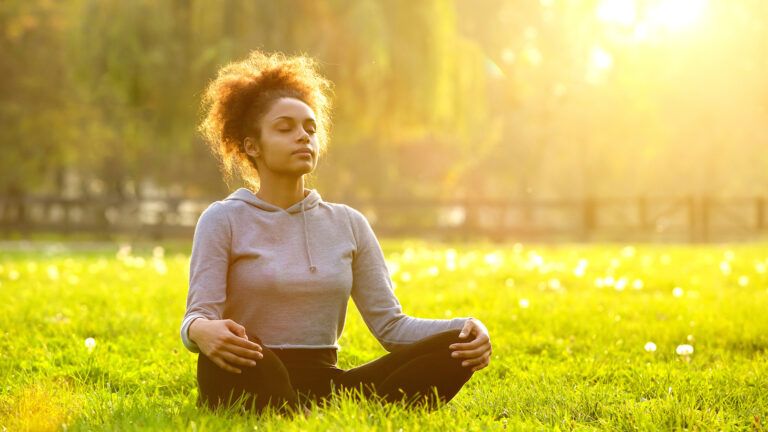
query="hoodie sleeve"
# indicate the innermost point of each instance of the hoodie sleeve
(208, 269)
(374, 296)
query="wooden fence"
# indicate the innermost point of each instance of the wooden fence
(675, 219)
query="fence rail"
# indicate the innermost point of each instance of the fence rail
(689, 218)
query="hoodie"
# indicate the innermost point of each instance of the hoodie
(286, 275)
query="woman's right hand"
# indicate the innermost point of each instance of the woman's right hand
(225, 343)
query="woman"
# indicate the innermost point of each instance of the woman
(272, 271)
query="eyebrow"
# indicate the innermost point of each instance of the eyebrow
(292, 118)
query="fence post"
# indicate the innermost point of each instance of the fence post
(589, 217)
(642, 213)
(693, 226)
(705, 208)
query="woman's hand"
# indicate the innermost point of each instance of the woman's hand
(477, 352)
(225, 343)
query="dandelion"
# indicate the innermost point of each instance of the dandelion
(554, 284)
(160, 267)
(405, 276)
(725, 268)
(493, 259)
(581, 268)
(637, 284)
(524, 303)
(599, 282)
(650, 347)
(53, 272)
(620, 284)
(535, 259)
(760, 267)
(628, 252)
(123, 252)
(743, 280)
(450, 259)
(433, 271)
(90, 344)
(677, 292)
(684, 350)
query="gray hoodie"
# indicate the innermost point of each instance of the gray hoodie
(286, 275)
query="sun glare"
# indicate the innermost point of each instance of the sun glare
(670, 15)
(621, 12)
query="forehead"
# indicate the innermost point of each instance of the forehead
(290, 107)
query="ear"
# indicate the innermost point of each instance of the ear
(251, 147)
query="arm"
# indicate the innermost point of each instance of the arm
(374, 296)
(208, 269)
(223, 341)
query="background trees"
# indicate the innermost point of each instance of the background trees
(433, 98)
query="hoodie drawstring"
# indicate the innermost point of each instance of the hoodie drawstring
(312, 267)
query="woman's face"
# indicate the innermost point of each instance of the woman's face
(288, 131)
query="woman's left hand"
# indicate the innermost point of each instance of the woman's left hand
(477, 351)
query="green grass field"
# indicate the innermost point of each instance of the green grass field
(570, 326)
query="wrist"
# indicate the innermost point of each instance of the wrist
(194, 328)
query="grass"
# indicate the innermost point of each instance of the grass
(569, 339)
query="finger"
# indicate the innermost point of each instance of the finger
(243, 343)
(224, 365)
(477, 352)
(477, 368)
(244, 352)
(474, 361)
(466, 330)
(235, 328)
(236, 360)
(480, 340)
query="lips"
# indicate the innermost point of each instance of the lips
(301, 151)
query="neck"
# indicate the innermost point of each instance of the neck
(282, 191)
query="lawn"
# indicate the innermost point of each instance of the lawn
(619, 337)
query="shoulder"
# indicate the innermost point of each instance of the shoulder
(216, 213)
(356, 217)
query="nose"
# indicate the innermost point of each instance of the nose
(303, 136)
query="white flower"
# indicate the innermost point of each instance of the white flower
(684, 350)
(90, 344)
(524, 303)
(677, 292)
(650, 347)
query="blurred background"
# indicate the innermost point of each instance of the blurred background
(502, 119)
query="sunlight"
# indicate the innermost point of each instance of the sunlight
(677, 15)
(622, 12)
(670, 15)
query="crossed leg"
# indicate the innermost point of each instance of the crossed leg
(423, 373)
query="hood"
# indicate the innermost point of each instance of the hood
(310, 201)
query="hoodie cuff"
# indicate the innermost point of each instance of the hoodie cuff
(189, 344)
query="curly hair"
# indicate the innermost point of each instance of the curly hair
(243, 92)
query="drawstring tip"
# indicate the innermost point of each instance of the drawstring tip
(312, 269)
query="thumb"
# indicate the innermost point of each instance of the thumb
(466, 329)
(235, 328)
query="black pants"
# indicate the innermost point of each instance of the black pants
(423, 373)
